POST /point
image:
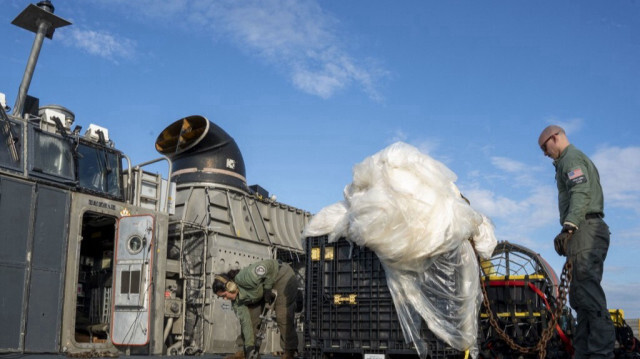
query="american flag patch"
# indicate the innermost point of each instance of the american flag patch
(575, 174)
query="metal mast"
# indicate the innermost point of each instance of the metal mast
(41, 20)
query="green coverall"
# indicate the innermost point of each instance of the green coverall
(580, 202)
(252, 281)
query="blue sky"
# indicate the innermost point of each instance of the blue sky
(310, 88)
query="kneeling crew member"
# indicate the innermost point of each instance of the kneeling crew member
(249, 289)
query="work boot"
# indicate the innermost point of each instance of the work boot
(288, 354)
(237, 355)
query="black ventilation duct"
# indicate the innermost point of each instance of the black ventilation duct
(202, 152)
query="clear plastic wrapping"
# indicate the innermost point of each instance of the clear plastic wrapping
(404, 205)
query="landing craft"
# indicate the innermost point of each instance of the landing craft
(102, 258)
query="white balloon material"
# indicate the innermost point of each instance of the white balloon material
(404, 205)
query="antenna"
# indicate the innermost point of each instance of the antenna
(41, 20)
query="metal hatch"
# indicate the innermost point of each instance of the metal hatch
(132, 281)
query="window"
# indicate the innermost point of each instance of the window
(51, 156)
(99, 170)
(130, 282)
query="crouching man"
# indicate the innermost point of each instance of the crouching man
(249, 289)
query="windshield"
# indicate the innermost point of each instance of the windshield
(99, 170)
(51, 156)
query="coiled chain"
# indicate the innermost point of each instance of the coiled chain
(561, 301)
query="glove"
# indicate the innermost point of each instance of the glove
(251, 352)
(269, 296)
(560, 242)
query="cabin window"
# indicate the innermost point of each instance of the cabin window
(99, 170)
(52, 156)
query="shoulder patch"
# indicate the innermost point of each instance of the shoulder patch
(260, 270)
(576, 176)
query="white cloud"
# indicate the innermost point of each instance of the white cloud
(399, 135)
(619, 170)
(536, 210)
(629, 237)
(429, 147)
(301, 38)
(517, 173)
(570, 126)
(542, 207)
(520, 204)
(426, 146)
(623, 296)
(491, 204)
(534, 200)
(508, 165)
(102, 44)
(296, 36)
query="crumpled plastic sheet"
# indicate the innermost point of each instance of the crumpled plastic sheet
(404, 205)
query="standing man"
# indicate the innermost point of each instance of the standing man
(249, 289)
(584, 239)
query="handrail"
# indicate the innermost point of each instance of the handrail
(129, 176)
(166, 198)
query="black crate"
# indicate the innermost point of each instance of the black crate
(349, 309)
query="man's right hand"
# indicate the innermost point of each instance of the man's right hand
(560, 242)
(269, 296)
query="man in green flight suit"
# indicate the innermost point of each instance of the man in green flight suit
(584, 239)
(249, 289)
